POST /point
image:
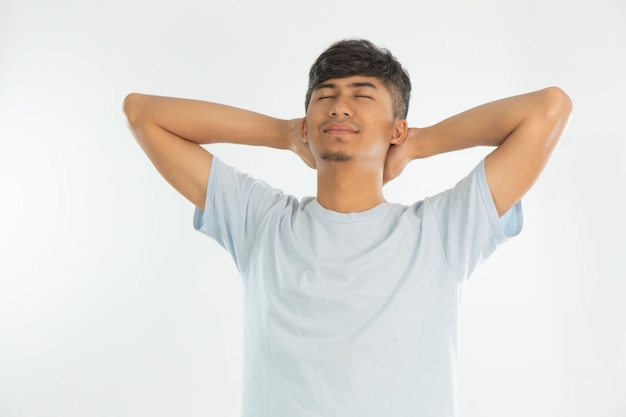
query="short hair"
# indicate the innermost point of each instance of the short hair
(350, 57)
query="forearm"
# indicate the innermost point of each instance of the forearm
(203, 122)
(490, 124)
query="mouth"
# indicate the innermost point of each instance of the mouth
(339, 129)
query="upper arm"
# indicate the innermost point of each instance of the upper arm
(184, 164)
(512, 168)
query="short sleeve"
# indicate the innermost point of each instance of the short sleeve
(468, 222)
(235, 205)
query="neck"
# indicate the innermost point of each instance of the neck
(344, 189)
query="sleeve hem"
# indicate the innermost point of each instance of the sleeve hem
(510, 223)
(201, 218)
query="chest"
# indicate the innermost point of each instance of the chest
(381, 280)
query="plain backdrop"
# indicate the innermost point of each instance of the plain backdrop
(112, 305)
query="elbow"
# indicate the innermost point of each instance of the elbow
(557, 110)
(132, 107)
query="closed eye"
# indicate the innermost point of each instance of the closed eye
(363, 96)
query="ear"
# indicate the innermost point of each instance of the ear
(305, 138)
(399, 131)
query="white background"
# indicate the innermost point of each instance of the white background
(110, 303)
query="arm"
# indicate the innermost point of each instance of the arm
(171, 130)
(525, 129)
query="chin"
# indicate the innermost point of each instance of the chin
(335, 156)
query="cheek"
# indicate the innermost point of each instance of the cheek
(308, 127)
(382, 131)
(308, 132)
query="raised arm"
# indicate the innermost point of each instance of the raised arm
(171, 130)
(525, 129)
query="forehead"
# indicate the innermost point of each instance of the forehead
(353, 82)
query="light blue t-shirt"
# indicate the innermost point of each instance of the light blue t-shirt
(351, 314)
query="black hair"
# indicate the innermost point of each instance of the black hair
(351, 57)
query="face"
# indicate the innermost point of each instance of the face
(352, 118)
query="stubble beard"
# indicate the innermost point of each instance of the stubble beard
(335, 156)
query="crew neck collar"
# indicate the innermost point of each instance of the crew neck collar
(338, 217)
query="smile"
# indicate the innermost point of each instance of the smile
(339, 129)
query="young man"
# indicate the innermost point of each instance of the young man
(351, 303)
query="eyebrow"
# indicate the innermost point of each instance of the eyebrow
(351, 85)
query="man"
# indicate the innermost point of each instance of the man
(351, 303)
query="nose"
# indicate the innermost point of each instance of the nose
(340, 108)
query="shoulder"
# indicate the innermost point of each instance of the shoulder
(235, 196)
(469, 189)
(226, 179)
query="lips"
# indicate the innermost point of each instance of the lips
(340, 129)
